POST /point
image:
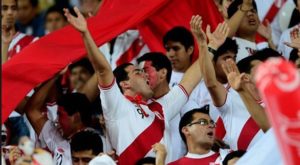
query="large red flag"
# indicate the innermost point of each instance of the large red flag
(177, 13)
(42, 59)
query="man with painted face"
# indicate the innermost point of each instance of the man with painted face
(128, 107)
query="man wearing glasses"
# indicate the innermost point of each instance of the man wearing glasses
(197, 130)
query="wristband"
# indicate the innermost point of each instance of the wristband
(211, 50)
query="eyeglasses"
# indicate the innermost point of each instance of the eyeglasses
(204, 122)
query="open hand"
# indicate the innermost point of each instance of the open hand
(196, 28)
(265, 31)
(218, 37)
(78, 22)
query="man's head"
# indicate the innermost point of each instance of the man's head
(85, 145)
(74, 112)
(179, 44)
(157, 66)
(132, 79)
(89, 6)
(226, 51)
(146, 161)
(54, 19)
(197, 128)
(233, 157)
(249, 64)
(9, 11)
(27, 10)
(249, 23)
(81, 72)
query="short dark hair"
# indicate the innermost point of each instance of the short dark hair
(234, 6)
(34, 3)
(233, 154)
(145, 160)
(77, 102)
(86, 140)
(294, 55)
(188, 117)
(85, 63)
(121, 74)
(55, 9)
(229, 45)
(244, 65)
(295, 1)
(159, 61)
(179, 34)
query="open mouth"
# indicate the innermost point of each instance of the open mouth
(252, 22)
(210, 134)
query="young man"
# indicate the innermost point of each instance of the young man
(241, 130)
(85, 145)
(144, 120)
(197, 130)
(54, 19)
(12, 40)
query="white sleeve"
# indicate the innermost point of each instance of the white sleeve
(113, 102)
(103, 159)
(173, 101)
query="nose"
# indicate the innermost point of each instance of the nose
(171, 53)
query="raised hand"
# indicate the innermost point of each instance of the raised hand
(161, 153)
(78, 22)
(196, 28)
(218, 37)
(7, 34)
(265, 31)
(235, 79)
(295, 38)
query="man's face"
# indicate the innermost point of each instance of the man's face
(89, 6)
(138, 81)
(26, 11)
(54, 21)
(79, 76)
(82, 157)
(218, 65)
(9, 11)
(249, 23)
(201, 134)
(254, 64)
(65, 123)
(178, 55)
(152, 73)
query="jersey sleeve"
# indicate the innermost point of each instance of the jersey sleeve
(173, 101)
(114, 103)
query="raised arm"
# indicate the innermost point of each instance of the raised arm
(235, 21)
(90, 88)
(100, 64)
(239, 83)
(217, 91)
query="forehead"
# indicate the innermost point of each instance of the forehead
(199, 115)
(174, 44)
(228, 54)
(54, 14)
(255, 63)
(130, 68)
(8, 2)
(145, 64)
(84, 153)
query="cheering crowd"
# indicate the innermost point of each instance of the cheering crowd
(195, 103)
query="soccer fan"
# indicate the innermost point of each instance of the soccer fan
(12, 40)
(232, 157)
(54, 19)
(227, 101)
(132, 113)
(197, 130)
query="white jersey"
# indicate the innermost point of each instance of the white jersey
(134, 128)
(59, 146)
(268, 149)
(19, 41)
(247, 48)
(128, 47)
(241, 130)
(285, 37)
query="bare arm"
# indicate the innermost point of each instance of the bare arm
(90, 88)
(100, 64)
(235, 21)
(161, 153)
(239, 83)
(217, 91)
(7, 36)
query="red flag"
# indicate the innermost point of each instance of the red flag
(177, 13)
(279, 84)
(42, 59)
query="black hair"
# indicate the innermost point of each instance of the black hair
(86, 140)
(179, 34)
(34, 3)
(229, 45)
(295, 1)
(295, 18)
(294, 55)
(159, 61)
(85, 63)
(121, 74)
(244, 65)
(188, 117)
(146, 160)
(77, 102)
(233, 154)
(55, 9)
(234, 7)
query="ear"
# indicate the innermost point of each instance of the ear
(76, 117)
(163, 73)
(190, 50)
(185, 131)
(124, 85)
